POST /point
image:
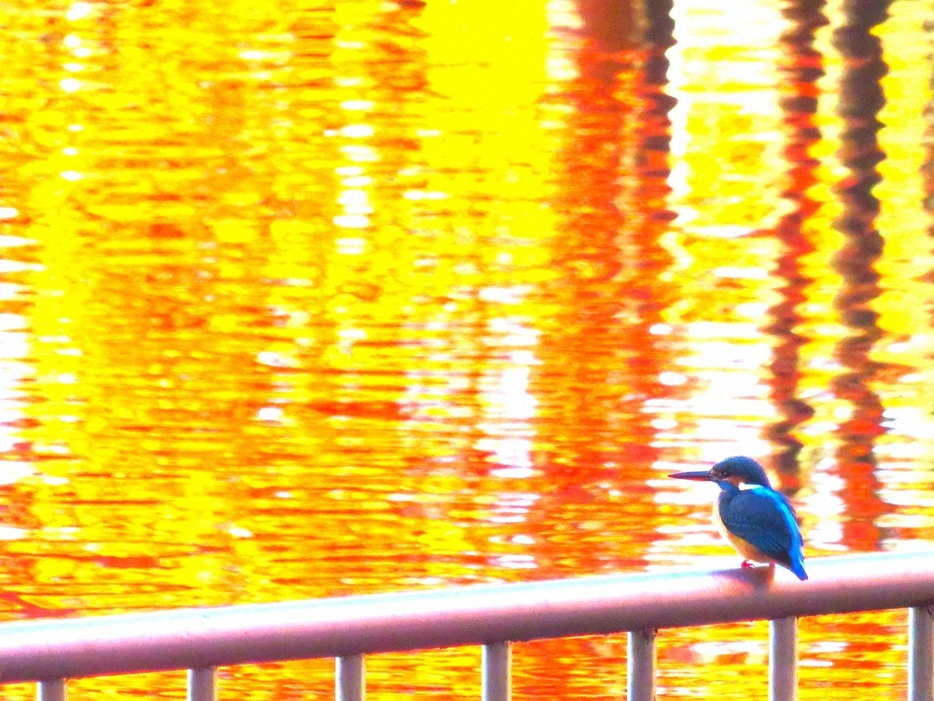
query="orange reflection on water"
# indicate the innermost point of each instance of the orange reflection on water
(314, 300)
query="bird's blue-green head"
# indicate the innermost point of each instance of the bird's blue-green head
(736, 470)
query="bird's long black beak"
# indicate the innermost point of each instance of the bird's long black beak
(700, 476)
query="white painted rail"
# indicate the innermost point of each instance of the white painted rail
(348, 628)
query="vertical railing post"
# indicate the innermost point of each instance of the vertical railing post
(783, 659)
(496, 675)
(202, 684)
(350, 678)
(641, 673)
(52, 690)
(920, 654)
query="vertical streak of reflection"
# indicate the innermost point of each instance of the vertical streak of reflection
(861, 99)
(610, 193)
(928, 167)
(799, 106)
(654, 188)
(590, 185)
(655, 144)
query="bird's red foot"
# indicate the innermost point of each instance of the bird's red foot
(747, 563)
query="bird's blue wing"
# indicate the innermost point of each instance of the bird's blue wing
(765, 519)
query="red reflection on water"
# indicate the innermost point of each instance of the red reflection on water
(928, 167)
(254, 389)
(861, 98)
(799, 106)
(611, 189)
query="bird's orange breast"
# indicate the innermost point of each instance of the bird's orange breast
(744, 548)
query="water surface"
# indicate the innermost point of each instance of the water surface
(322, 299)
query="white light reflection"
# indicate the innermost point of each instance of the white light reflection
(514, 452)
(752, 651)
(272, 414)
(508, 406)
(424, 195)
(357, 105)
(70, 84)
(357, 181)
(355, 200)
(512, 507)
(672, 379)
(505, 295)
(276, 360)
(564, 21)
(78, 11)
(351, 221)
(348, 246)
(515, 561)
(357, 131)
(359, 153)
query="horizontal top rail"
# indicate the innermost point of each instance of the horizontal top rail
(205, 637)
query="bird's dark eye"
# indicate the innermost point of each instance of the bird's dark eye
(718, 474)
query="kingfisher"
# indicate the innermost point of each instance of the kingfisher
(757, 520)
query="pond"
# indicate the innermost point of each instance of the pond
(318, 298)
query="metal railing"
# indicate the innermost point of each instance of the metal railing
(51, 651)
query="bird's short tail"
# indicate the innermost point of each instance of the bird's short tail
(798, 568)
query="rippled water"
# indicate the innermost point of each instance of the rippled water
(309, 299)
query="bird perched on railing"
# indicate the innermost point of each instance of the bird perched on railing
(758, 521)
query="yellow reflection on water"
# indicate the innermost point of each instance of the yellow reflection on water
(314, 299)
(726, 129)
